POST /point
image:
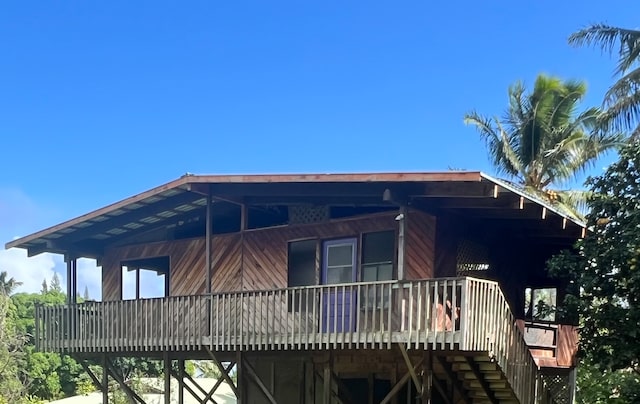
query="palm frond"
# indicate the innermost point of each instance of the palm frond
(607, 37)
(623, 114)
(502, 155)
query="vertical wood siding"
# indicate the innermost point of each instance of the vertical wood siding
(420, 245)
(257, 259)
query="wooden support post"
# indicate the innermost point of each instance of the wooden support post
(167, 378)
(326, 391)
(74, 277)
(244, 217)
(240, 389)
(137, 283)
(105, 380)
(310, 382)
(427, 378)
(394, 381)
(180, 381)
(208, 231)
(402, 220)
(68, 260)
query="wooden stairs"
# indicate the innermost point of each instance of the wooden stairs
(475, 379)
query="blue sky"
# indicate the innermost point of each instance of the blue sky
(102, 100)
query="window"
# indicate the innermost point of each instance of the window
(301, 269)
(145, 278)
(302, 263)
(540, 304)
(377, 256)
(378, 252)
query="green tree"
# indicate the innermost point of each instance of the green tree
(42, 372)
(54, 285)
(7, 286)
(622, 101)
(45, 287)
(604, 269)
(597, 386)
(11, 354)
(542, 142)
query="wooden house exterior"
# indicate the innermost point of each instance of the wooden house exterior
(350, 288)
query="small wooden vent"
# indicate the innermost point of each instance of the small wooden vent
(300, 214)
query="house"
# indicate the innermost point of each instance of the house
(352, 288)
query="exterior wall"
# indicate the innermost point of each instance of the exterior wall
(420, 245)
(257, 259)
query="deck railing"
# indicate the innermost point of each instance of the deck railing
(451, 313)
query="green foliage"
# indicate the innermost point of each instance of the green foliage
(54, 286)
(542, 142)
(597, 386)
(622, 101)
(7, 286)
(42, 368)
(605, 277)
(11, 355)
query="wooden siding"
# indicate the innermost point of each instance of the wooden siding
(567, 345)
(420, 245)
(257, 259)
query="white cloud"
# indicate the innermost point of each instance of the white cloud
(89, 275)
(31, 271)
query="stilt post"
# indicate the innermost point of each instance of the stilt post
(167, 378)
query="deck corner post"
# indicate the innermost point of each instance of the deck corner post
(464, 314)
(105, 380)
(167, 378)
(181, 372)
(326, 378)
(427, 377)
(240, 395)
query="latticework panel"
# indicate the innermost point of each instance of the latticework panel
(472, 257)
(300, 214)
(560, 388)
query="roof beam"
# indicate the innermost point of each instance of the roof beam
(370, 189)
(459, 190)
(502, 202)
(133, 216)
(333, 201)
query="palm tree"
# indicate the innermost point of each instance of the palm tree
(622, 101)
(7, 286)
(543, 142)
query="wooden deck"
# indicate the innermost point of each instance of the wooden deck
(452, 314)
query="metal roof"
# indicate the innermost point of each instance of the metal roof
(187, 194)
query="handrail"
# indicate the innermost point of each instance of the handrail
(466, 314)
